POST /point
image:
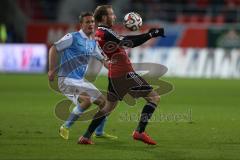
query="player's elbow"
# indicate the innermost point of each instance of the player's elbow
(127, 42)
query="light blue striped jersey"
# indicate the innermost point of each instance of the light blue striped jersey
(75, 50)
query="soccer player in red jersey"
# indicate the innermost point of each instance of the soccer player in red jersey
(122, 78)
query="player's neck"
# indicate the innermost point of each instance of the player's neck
(89, 35)
(103, 24)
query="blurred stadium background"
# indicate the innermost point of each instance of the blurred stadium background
(201, 51)
(202, 36)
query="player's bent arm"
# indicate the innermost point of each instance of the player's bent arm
(58, 46)
(53, 57)
(105, 63)
(99, 55)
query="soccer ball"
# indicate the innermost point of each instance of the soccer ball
(132, 21)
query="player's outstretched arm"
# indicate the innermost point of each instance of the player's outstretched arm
(137, 40)
(52, 62)
(134, 40)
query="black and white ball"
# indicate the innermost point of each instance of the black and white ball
(132, 21)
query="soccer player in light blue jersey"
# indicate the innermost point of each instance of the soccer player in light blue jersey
(74, 51)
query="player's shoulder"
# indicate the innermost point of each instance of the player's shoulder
(100, 31)
(108, 32)
(64, 42)
(75, 34)
(66, 37)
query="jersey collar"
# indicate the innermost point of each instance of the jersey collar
(83, 34)
(105, 26)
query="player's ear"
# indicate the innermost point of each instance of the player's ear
(80, 24)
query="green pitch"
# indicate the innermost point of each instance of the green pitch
(198, 120)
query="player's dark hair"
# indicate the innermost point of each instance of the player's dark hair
(84, 14)
(101, 11)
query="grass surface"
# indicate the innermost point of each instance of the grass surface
(198, 120)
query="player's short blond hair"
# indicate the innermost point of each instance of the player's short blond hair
(101, 11)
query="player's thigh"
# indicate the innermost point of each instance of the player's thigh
(78, 91)
(92, 91)
(118, 88)
(84, 100)
(67, 89)
(139, 87)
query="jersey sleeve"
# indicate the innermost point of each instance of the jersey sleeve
(126, 41)
(64, 42)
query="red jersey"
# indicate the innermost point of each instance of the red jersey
(109, 42)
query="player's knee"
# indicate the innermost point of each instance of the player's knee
(155, 99)
(88, 103)
(107, 109)
(85, 102)
(100, 102)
